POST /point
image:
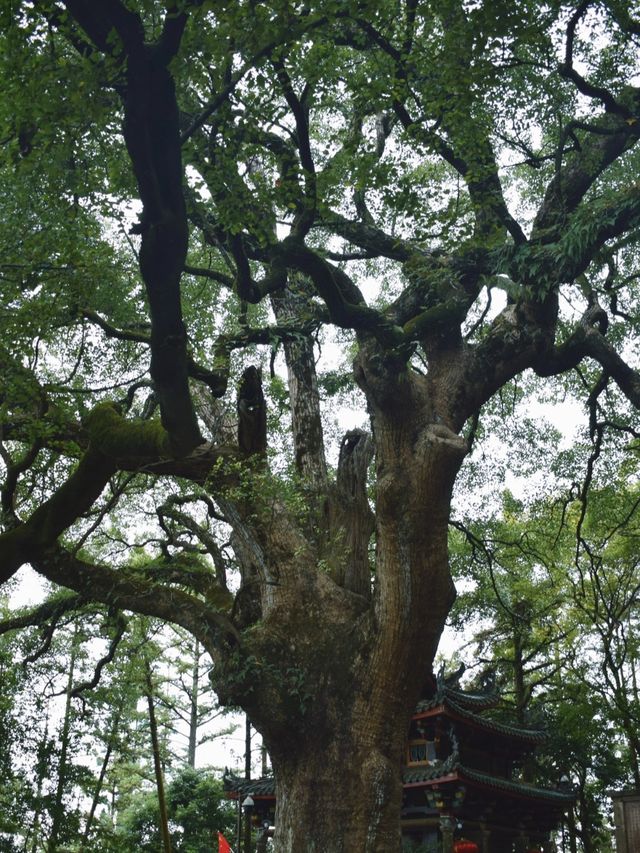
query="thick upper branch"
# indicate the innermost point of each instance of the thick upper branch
(346, 304)
(53, 608)
(129, 591)
(367, 236)
(152, 135)
(572, 181)
(27, 539)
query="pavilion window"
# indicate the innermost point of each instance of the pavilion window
(421, 751)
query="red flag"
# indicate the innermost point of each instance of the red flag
(223, 844)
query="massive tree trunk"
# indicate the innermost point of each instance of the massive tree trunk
(332, 671)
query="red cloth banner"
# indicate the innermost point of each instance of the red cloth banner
(223, 844)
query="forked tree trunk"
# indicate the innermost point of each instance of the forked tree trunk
(337, 644)
(333, 674)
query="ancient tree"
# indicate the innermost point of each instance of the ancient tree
(190, 185)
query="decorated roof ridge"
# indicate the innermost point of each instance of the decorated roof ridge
(456, 696)
(562, 796)
(441, 770)
(531, 735)
(427, 772)
(448, 686)
(265, 786)
(477, 701)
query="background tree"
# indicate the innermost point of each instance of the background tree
(370, 174)
(193, 715)
(14, 792)
(197, 812)
(550, 600)
(85, 716)
(46, 773)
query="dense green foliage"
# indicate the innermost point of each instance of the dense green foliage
(196, 811)
(107, 797)
(425, 213)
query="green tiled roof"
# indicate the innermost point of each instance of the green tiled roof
(531, 735)
(517, 787)
(427, 772)
(439, 770)
(472, 701)
(264, 787)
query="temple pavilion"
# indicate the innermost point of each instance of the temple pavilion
(465, 780)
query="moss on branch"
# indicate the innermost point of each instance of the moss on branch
(445, 313)
(119, 438)
(445, 300)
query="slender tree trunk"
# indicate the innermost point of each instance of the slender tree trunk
(572, 831)
(193, 706)
(585, 831)
(157, 762)
(246, 847)
(100, 782)
(247, 748)
(58, 805)
(518, 676)
(40, 781)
